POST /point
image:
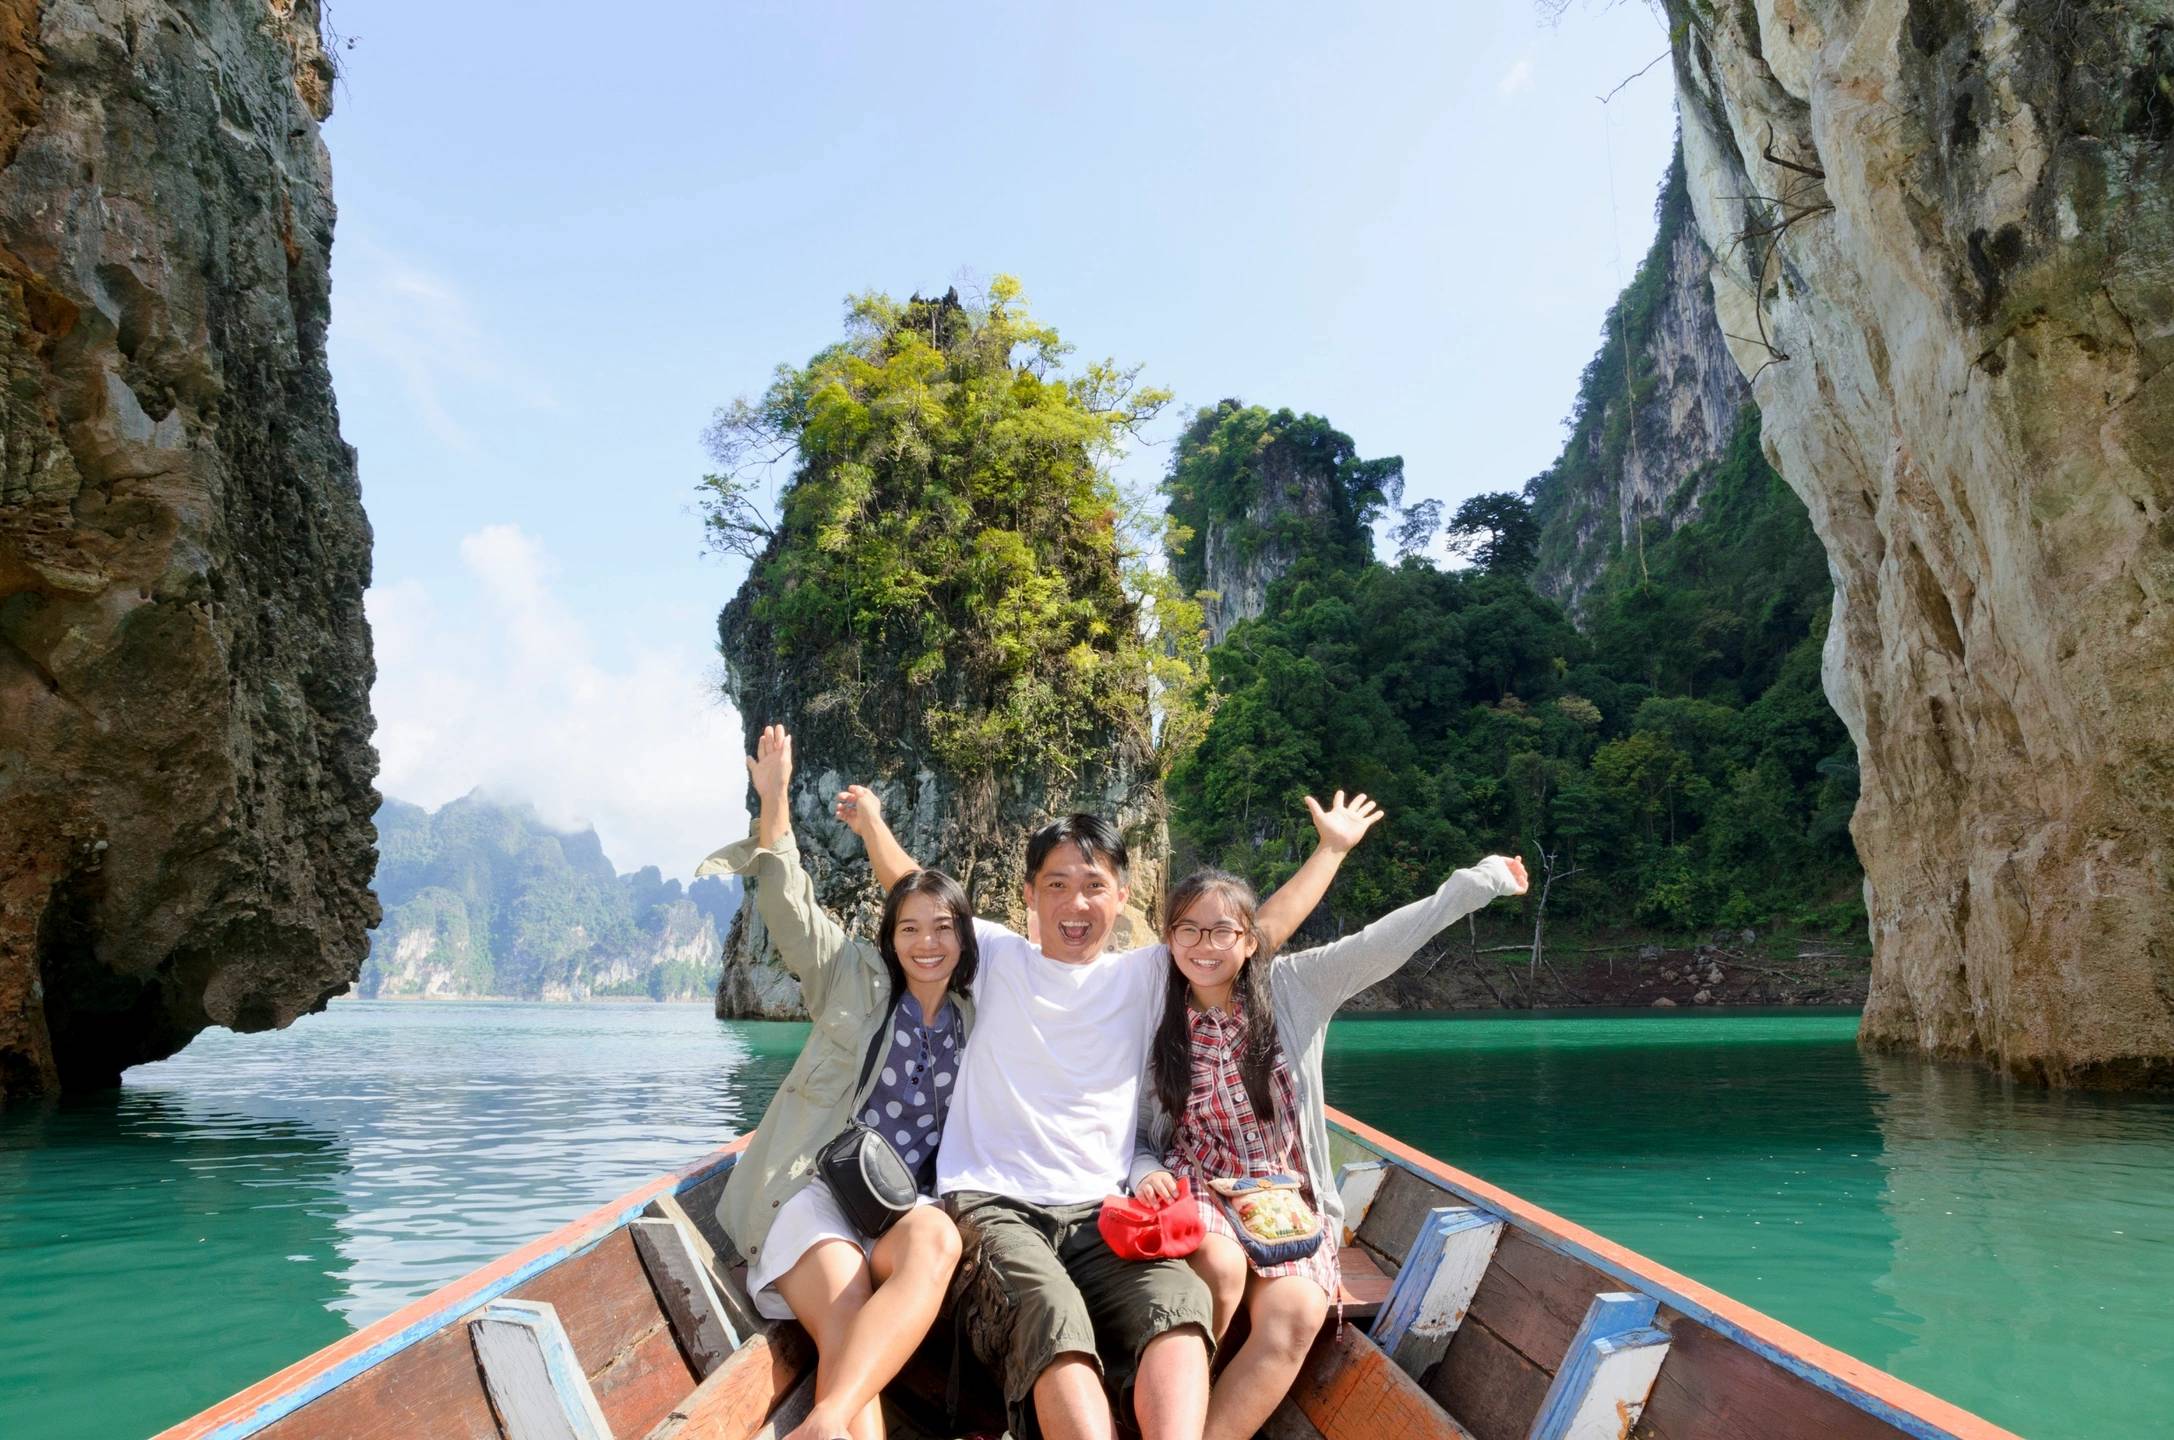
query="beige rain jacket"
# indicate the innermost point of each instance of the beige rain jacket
(848, 996)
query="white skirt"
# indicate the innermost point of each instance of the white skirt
(802, 1223)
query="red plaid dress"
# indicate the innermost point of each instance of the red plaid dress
(1220, 1137)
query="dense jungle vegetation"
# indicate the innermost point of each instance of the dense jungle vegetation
(951, 555)
(1678, 766)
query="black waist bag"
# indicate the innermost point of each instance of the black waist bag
(862, 1168)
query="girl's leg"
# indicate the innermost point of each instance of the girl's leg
(911, 1266)
(1286, 1314)
(1221, 1266)
(827, 1288)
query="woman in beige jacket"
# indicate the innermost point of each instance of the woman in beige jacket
(888, 1023)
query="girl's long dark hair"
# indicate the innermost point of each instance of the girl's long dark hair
(948, 893)
(1172, 1056)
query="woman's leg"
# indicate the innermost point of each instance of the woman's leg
(1286, 1314)
(827, 1288)
(1221, 1266)
(911, 1266)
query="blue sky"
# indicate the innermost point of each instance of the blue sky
(565, 239)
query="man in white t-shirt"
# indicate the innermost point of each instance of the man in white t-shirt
(1041, 1130)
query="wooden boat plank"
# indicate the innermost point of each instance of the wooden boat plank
(714, 1250)
(286, 1391)
(1864, 1387)
(1535, 1298)
(534, 1381)
(1434, 1289)
(619, 1332)
(1711, 1389)
(1349, 1390)
(698, 1203)
(1602, 1384)
(1494, 1391)
(433, 1388)
(1400, 1207)
(733, 1402)
(684, 1287)
(1366, 1285)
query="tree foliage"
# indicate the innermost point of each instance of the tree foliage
(1680, 756)
(951, 525)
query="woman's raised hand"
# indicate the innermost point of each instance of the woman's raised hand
(859, 808)
(770, 768)
(1345, 823)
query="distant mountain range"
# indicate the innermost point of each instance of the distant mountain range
(482, 898)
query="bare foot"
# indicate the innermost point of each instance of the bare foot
(822, 1425)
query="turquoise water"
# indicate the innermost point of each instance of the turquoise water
(256, 1197)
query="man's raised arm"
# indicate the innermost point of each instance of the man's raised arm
(1341, 826)
(860, 810)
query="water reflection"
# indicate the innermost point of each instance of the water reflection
(255, 1197)
(152, 1248)
(2028, 1224)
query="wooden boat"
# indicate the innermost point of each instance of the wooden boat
(1469, 1315)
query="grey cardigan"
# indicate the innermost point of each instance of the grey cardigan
(1306, 987)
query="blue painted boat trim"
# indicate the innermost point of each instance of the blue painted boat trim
(1430, 1247)
(279, 1407)
(1915, 1426)
(1609, 1321)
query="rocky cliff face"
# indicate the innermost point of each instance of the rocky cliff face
(484, 899)
(1959, 261)
(1258, 492)
(185, 765)
(1683, 400)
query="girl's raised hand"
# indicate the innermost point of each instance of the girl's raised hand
(858, 808)
(770, 768)
(1345, 823)
(1517, 868)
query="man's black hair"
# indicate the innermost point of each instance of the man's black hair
(1096, 838)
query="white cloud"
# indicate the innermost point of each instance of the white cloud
(509, 692)
(1515, 79)
(423, 328)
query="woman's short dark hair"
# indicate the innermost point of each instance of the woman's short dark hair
(948, 893)
(1096, 838)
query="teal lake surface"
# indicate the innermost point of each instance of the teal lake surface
(256, 1197)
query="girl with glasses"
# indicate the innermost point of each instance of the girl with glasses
(1234, 1093)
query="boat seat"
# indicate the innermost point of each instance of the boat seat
(1366, 1285)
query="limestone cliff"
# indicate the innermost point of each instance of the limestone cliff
(939, 612)
(1957, 251)
(185, 759)
(482, 898)
(1256, 492)
(1640, 453)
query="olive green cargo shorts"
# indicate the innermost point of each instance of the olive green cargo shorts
(1035, 1282)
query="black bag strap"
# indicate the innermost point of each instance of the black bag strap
(875, 1048)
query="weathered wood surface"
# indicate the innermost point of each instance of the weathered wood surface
(734, 1401)
(1492, 1390)
(1607, 1373)
(618, 1330)
(431, 1388)
(1435, 1287)
(1535, 1298)
(716, 1252)
(1366, 1285)
(1356, 1186)
(534, 1381)
(1400, 1206)
(689, 1296)
(1871, 1393)
(1711, 1388)
(1349, 1390)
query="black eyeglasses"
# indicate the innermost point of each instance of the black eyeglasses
(1222, 937)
